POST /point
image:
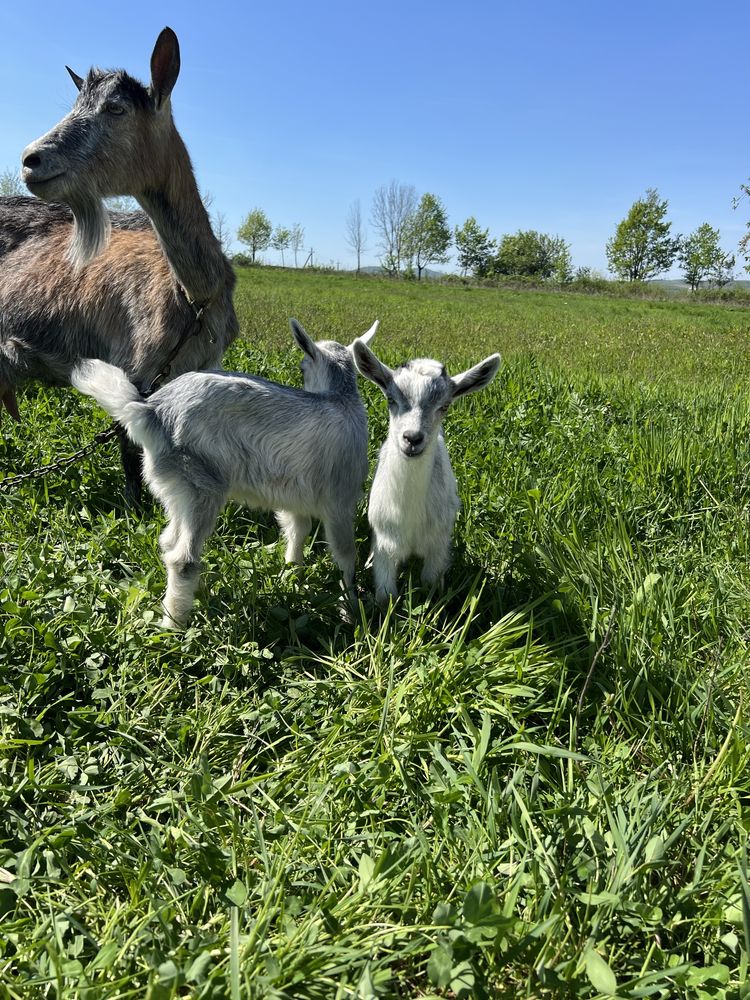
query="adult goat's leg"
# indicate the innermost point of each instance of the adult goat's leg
(132, 465)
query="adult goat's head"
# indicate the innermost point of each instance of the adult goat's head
(115, 141)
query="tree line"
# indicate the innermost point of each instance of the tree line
(413, 233)
(258, 234)
(644, 246)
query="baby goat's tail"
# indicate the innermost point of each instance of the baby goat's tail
(115, 393)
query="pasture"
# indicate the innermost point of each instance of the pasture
(535, 785)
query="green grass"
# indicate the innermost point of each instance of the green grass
(535, 784)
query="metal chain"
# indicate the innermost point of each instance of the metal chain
(103, 436)
(61, 463)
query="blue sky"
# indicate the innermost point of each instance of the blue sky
(545, 116)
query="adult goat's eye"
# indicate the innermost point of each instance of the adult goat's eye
(114, 109)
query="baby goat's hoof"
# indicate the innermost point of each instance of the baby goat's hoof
(168, 623)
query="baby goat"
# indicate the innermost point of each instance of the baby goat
(414, 501)
(211, 436)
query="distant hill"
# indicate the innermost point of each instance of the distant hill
(426, 273)
(677, 284)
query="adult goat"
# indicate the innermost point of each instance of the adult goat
(150, 293)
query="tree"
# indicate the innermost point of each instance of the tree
(562, 272)
(428, 235)
(221, 230)
(474, 248)
(281, 239)
(528, 253)
(122, 203)
(392, 207)
(745, 241)
(702, 258)
(642, 246)
(10, 184)
(296, 240)
(356, 234)
(255, 231)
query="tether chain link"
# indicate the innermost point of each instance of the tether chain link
(61, 463)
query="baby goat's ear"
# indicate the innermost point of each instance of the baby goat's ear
(476, 378)
(366, 337)
(304, 340)
(370, 367)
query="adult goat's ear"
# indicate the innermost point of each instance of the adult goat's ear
(370, 366)
(304, 340)
(77, 80)
(366, 337)
(476, 378)
(165, 66)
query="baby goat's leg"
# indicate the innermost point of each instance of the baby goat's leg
(436, 562)
(191, 522)
(295, 529)
(340, 538)
(385, 567)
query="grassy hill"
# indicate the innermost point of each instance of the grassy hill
(533, 784)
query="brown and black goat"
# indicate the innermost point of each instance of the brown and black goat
(143, 290)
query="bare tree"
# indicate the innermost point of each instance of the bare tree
(10, 184)
(392, 207)
(356, 234)
(296, 240)
(122, 203)
(221, 230)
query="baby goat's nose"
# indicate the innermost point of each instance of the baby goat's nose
(414, 438)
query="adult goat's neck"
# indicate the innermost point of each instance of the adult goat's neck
(183, 226)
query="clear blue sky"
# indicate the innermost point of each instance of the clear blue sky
(548, 116)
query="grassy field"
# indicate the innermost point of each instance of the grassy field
(536, 785)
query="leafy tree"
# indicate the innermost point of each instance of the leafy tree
(642, 246)
(281, 239)
(702, 258)
(428, 234)
(562, 272)
(528, 253)
(255, 231)
(10, 183)
(392, 208)
(296, 240)
(356, 234)
(474, 248)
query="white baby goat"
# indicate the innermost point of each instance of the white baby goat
(414, 501)
(211, 436)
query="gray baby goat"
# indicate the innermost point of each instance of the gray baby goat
(211, 436)
(414, 500)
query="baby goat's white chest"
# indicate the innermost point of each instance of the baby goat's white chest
(412, 499)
